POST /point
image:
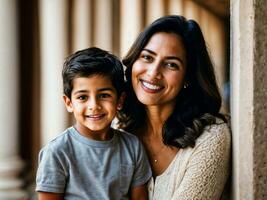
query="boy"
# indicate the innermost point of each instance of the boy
(91, 160)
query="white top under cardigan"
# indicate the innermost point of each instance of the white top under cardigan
(198, 173)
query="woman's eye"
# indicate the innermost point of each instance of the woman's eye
(172, 65)
(103, 96)
(147, 58)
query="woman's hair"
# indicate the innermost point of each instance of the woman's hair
(197, 105)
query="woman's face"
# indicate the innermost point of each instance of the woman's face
(158, 73)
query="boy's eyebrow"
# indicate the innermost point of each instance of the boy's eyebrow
(99, 90)
(168, 57)
(104, 89)
(80, 91)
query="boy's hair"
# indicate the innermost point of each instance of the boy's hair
(92, 61)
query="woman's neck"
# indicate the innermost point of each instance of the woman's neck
(156, 117)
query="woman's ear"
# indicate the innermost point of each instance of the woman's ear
(121, 101)
(68, 103)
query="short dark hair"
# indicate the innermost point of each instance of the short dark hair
(196, 106)
(92, 61)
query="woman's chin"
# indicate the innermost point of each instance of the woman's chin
(147, 100)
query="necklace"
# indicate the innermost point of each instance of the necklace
(156, 154)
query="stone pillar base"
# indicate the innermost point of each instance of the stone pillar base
(13, 195)
(10, 183)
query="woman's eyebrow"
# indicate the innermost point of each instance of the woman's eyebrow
(167, 57)
(149, 51)
(175, 58)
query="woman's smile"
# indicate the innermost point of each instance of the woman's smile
(158, 74)
(151, 87)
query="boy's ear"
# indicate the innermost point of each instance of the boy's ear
(121, 101)
(68, 103)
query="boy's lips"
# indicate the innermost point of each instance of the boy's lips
(150, 87)
(95, 116)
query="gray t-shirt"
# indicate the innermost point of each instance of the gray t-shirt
(87, 169)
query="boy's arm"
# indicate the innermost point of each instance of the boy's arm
(139, 193)
(50, 196)
(142, 174)
(50, 176)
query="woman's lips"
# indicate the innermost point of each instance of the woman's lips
(150, 87)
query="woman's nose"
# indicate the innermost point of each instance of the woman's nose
(154, 70)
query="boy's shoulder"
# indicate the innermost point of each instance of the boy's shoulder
(127, 137)
(61, 140)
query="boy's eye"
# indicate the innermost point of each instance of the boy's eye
(82, 98)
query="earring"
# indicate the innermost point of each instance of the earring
(185, 85)
(119, 107)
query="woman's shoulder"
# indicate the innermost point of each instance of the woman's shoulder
(215, 134)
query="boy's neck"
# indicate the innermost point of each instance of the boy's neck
(102, 135)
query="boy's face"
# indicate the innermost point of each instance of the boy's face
(94, 103)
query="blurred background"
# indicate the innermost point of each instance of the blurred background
(35, 38)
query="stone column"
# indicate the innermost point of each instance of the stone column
(131, 23)
(175, 7)
(249, 98)
(10, 162)
(191, 10)
(216, 40)
(103, 24)
(154, 10)
(260, 100)
(82, 26)
(54, 46)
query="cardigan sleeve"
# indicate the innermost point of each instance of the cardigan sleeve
(208, 166)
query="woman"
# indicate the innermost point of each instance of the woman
(173, 105)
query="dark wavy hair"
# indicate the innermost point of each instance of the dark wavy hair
(92, 61)
(197, 105)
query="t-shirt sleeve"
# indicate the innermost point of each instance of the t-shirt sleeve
(208, 167)
(50, 175)
(142, 170)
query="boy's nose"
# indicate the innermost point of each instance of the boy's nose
(93, 105)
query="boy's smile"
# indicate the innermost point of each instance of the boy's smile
(94, 103)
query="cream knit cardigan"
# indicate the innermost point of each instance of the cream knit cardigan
(198, 173)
